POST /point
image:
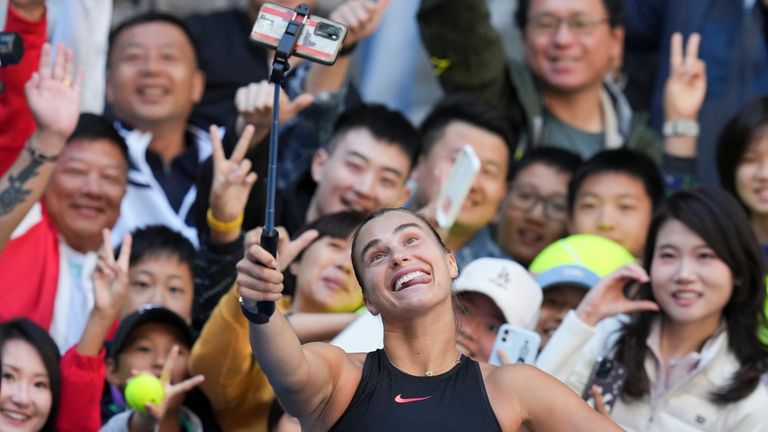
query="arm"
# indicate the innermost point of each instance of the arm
(684, 94)
(82, 368)
(52, 94)
(319, 327)
(546, 404)
(27, 18)
(466, 51)
(305, 378)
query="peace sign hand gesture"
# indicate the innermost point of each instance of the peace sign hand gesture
(686, 85)
(110, 278)
(607, 297)
(232, 178)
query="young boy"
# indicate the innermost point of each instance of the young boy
(152, 340)
(613, 195)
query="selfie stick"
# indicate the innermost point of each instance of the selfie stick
(280, 67)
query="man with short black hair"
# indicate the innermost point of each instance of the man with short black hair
(453, 123)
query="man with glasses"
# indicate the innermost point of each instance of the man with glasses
(534, 212)
(562, 96)
(453, 123)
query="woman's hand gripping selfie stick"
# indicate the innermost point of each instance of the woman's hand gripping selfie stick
(259, 312)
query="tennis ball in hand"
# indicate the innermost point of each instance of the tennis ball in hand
(142, 389)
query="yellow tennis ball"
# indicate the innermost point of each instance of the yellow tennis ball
(142, 389)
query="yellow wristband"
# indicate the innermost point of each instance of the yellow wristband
(223, 227)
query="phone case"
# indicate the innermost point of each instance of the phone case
(454, 191)
(609, 376)
(519, 345)
(320, 40)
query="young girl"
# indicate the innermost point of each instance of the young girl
(690, 354)
(29, 392)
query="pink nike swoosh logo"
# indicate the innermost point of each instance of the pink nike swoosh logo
(401, 400)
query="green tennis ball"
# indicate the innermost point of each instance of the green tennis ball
(143, 389)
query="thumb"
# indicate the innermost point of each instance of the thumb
(302, 101)
(294, 248)
(639, 306)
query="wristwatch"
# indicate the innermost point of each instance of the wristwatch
(689, 128)
(253, 314)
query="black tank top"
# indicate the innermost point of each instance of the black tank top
(388, 399)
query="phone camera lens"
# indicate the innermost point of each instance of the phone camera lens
(328, 31)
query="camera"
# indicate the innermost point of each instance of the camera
(11, 48)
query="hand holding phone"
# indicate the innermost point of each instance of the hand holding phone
(518, 345)
(454, 191)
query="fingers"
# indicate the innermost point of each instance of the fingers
(628, 272)
(692, 49)
(242, 144)
(253, 237)
(123, 261)
(58, 70)
(165, 375)
(294, 248)
(186, 385)
(599, 405)
(106, 246)
(639, 306)
(44, 68)
(676, 51)
(302, 101)
(258, 276)
(218, 148)
(503, 357)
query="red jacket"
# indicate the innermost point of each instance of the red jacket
(16, 121)
(82, 382)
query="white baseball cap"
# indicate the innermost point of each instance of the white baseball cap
(508, 284)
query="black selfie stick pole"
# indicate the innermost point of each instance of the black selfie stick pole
(280, 67)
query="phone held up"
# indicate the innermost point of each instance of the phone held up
(320, 41)
(608, 376)
(518, 344)
(454, 191)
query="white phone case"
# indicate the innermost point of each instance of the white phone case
(455, 189)
(519, 345)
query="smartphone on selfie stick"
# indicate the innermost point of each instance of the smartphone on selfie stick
(288, 32)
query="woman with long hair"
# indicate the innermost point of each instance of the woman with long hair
(687, 357)
(29, 391)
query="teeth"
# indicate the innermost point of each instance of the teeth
(686, 295)
(152, 92)
(407, 278)
(16, 416)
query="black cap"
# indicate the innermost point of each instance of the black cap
(145, 315)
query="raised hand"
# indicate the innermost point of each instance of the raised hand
(174, 392)
(232, 178)
(259, 275)
(53, 92)
(686, 85)
(607, 297)
(110, 278)
(254, 104)
(362, 17)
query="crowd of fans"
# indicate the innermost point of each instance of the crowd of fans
(619, 217)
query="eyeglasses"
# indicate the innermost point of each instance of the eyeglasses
(548, 24)
(526, 199)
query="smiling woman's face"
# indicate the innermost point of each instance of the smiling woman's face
(404, 268)
(25, 392)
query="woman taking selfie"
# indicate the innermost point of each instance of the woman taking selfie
(419, 381)
(688, 356)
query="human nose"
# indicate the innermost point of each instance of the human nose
(563, 32)
(365, 184)
(19, 393)
(92, 184)
(605, 219)
(763, 171)
(684, 271)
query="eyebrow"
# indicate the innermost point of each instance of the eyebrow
(376, 241)
(390, 169)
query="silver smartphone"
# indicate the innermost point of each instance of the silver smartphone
(454, 191)
(320, 40)
(518, 344)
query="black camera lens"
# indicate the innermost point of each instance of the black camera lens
(327, 31)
